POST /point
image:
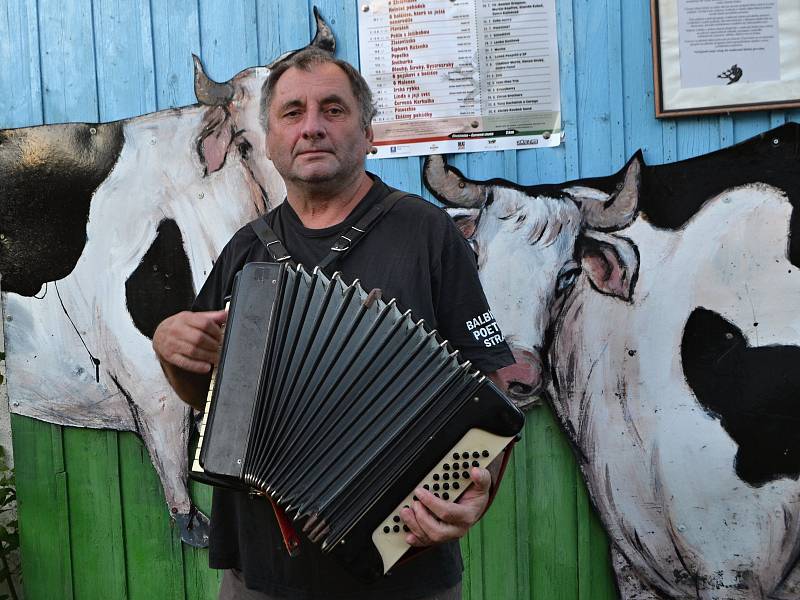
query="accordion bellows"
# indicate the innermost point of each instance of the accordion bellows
(338, 405)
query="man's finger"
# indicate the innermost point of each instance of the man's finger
(191, 365)
(435, 530)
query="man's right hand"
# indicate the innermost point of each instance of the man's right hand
(187, 345)
(190, 340)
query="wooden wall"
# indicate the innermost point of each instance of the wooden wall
(94, 523)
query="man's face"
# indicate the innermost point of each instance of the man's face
(315, 134)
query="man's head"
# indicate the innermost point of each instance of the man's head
(310, 57)
(317, 112)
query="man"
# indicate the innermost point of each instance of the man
(317, 113)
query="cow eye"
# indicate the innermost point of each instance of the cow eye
(566, 279)
(244, 149)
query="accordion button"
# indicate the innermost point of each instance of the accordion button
(446, 476)
(476, 454)
(456, 475)
(485, 453)
(475, 463)
(465, 455)
(405, 528)
(456, 485)
(455, 465)
(455, 455)
(446, 486)
(416, 499)
(465, 464)
(436, 477)
(386, 529)
(466, 474)
(446, 496)
(396, 519)
(435, 487)
(396, 528)
(426, 486)
(437, 495)
(446, 466)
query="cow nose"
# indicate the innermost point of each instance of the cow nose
(522, 381)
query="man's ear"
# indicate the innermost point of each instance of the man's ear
(370, 136)
(215, 138)
(466, 219)
(610, 262)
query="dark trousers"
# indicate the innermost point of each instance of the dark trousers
(233, 588)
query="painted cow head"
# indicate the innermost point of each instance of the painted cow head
(232, 122)
(533, 243)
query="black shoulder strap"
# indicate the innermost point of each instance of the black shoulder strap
(271, 241)
(341, 247)
(347, 241)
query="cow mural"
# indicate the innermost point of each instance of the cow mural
(106, 230)
(657, 309)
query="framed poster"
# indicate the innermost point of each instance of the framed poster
(719, 56)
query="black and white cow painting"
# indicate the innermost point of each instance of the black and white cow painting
(658, 311)
(105, 230)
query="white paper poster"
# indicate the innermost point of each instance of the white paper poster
(461, 75)
(723, 42)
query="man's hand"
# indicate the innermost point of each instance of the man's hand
(187, 345)
(433, 520)
(190, 340)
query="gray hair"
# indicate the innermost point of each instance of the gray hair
(304, 60)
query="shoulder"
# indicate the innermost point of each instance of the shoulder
(423, 213)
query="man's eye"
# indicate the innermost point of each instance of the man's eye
(335, 111)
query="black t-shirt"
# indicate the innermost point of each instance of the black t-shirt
(416, 255)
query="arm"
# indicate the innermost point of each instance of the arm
(187, 346)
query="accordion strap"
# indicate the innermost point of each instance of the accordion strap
(342, 246)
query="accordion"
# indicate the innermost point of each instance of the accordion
(337, 405)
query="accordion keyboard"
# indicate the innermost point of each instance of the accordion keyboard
(448, 480)
(196, 466)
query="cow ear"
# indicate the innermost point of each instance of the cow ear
(215, 138)
(611, 263)
(466, 219)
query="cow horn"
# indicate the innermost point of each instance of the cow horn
(324, 39)
(450, 186)
(620, 208)
(207, 91)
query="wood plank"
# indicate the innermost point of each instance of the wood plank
(499, 532)
(125, 64)
(616, 92)
(595, 574)
(228, 37)
(593, 91)
(154, 559)
(569, 94)
(42, 509)
(176, 35)
(200, 581)
(642, 130)
(67, 61)
(283, 26)
(20, 87)
(343, 19)
(749, 124)
(553, 526)
(95, 514)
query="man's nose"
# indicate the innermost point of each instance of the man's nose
(313, 125)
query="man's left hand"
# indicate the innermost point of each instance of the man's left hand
(433, 520)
